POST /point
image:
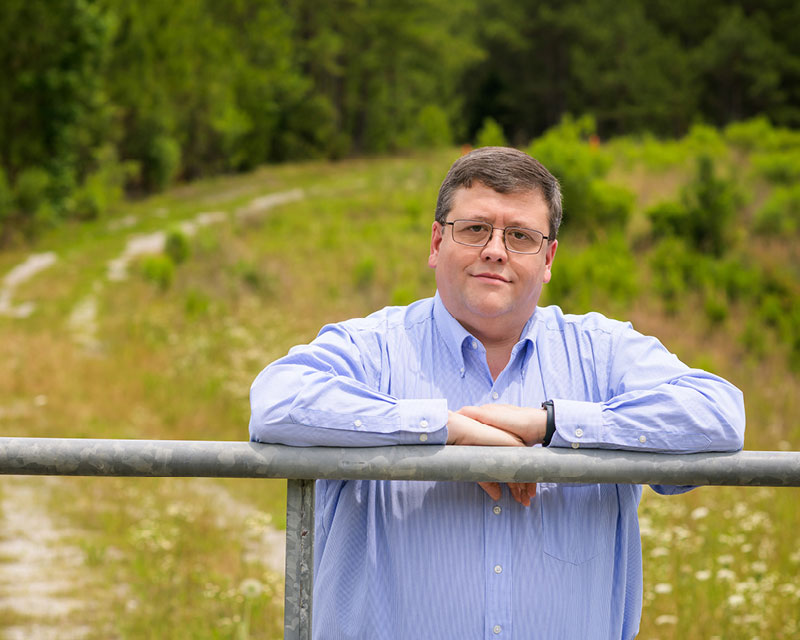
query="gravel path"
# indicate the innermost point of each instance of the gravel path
(41, 573)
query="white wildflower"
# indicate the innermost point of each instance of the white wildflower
(725, 559)
(251, 588)
(663, 587)
(659, 552)
(736, 600)
(726, 574)
(666, 619)
(759, 567)
(699, 513)
(703, 575)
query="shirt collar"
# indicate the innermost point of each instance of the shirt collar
(454, 335)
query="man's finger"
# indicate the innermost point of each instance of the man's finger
(519, 491)
(491, 488)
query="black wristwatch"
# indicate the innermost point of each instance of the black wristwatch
(551, 422)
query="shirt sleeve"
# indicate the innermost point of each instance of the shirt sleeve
(654, 403)
(327, 394)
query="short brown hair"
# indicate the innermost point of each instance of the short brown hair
(506, 170)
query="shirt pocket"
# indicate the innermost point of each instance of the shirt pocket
(578, 520)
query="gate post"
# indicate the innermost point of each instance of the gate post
(299, 559)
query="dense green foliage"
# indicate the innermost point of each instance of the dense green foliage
(101, 96)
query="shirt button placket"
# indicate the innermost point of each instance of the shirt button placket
(498, 524)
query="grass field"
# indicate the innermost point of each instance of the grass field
(170, 351)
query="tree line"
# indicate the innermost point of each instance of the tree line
(101, 98)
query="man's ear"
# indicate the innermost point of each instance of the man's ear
(548, 260)
(436, 241)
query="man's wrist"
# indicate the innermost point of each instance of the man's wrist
(550, 428)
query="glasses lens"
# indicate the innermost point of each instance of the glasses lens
(471, 232)
(523, 240)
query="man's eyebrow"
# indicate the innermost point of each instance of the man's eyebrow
(480, 217)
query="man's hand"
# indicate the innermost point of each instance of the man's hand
(463, 429)
(529, 424)
(498, 425)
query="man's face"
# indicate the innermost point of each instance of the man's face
(490, 290)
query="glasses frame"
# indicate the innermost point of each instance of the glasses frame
(491, 234)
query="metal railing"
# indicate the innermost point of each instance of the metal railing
(302, 465)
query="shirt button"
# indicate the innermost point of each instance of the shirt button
(496, 629)
(575, 445)
(423, 437)
(474, 344)
(423, 424)
(358, 423)
(495, 395)
(498, 568)
(642, 439)
(497, 510)
(579, 432)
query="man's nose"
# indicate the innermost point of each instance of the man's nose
(495, 249)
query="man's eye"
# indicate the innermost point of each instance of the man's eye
(476, 228)
(522, 236)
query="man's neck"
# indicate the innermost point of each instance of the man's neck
(498, 346)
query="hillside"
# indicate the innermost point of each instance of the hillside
(152, 323)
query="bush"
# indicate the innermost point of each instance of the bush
(161, 163)
(589, 203)
(780, 214)
(31, 190)
(6, 197)
(176, 246)
(705, 213)
(433, 127)
(751, 135)
(672, 265)
(103, 187)
(781, 167)
(160, 270)
(603, 273)
(667, 219)
(611, 204)
(490, 134)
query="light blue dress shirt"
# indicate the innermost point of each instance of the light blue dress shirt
(442, 560)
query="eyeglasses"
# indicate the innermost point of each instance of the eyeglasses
(474, 233)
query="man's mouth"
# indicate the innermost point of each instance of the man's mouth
(490, 276)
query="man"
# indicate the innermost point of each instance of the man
(473, 366)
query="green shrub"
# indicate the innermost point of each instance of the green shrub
(611, 204)
(161, 163)
(711, 203)
(716, 308)
(31, 190)
(780, 214)
(705, 213)
(160, 270)
(102, 188)
(490, 134)
(782, 167)
(751, 135)
(589, 205)
(672, 265)
(605, 272)
(6, 197)
(433, 127)
(739, 280)
(176, 246)
(668, 218)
